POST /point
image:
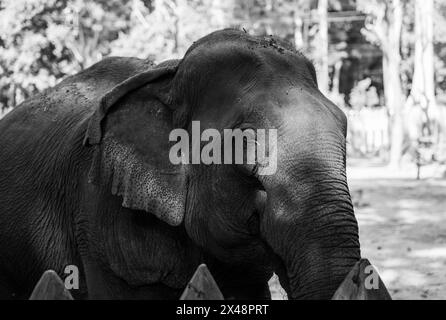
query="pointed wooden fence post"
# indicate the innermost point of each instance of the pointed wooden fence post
(202, 286)
(354, 285)
(50, 287)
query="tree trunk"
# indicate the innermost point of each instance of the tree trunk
(322, 46)
(298, 34)
(301, 9)
(394, 101)
(392, 82)
(422, 94)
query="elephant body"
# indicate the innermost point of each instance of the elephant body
(85, 179)
(43, 172)
(48, 207)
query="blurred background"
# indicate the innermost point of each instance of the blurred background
(383, 62)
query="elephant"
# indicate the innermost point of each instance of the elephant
(85, 178)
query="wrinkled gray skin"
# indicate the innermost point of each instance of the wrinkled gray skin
(85, 178)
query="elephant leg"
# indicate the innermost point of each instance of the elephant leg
(241, 282)
(7, 292)
(258, 291)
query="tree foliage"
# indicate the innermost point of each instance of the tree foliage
(43, 41)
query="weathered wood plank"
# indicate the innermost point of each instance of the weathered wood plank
(50, 287)
(354, 285)
(202, 286)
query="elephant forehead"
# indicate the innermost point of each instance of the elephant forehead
(235, 50)
(240, 38)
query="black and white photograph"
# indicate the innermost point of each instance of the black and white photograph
(242, 151)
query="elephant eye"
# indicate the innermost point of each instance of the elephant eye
(243, 149)
(253, 223)
(248, 149)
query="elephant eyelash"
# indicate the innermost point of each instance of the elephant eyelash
(253, 223)
(255, 170)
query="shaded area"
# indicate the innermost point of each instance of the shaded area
(403, 233)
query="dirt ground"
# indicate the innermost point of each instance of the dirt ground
(402, 223)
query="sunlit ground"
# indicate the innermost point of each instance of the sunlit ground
(402, 224)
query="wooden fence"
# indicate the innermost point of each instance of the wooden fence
(202, 286)
(368, 131)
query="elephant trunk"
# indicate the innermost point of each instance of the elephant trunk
(309, 224)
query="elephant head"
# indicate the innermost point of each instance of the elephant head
(298, 220)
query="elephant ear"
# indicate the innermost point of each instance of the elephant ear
(94, 130)
(130, 133)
